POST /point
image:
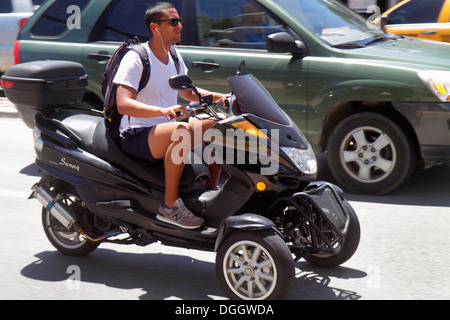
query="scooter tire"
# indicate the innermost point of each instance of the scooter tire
(349, 247)
(67, 242)
(255, 265)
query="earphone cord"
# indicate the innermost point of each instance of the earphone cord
(164, 48)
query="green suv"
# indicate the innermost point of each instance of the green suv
(377, 103)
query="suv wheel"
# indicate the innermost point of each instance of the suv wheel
(368, 153)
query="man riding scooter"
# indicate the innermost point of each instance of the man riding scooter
(145, 131)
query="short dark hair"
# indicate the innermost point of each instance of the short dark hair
(154, 13)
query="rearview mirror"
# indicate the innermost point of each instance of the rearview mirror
(240, 68)
(384, 20)
(181, 82)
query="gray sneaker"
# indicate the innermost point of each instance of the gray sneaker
(179, 215)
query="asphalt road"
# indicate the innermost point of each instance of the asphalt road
(402, 254)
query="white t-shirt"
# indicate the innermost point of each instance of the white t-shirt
(157, 92)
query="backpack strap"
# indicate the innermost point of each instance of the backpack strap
(176, 61)
(140, 50)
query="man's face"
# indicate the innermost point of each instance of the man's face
(170, 34)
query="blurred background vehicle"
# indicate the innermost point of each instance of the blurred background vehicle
(426, 19)
(13, 15)
(361, 6)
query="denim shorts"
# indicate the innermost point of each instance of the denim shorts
(134, 141)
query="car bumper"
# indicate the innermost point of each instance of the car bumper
(431, 124)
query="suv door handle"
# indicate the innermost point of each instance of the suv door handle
(429, 32)
(206, 66)
(100, 56)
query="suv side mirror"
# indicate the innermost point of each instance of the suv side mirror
(283, 42)
(384, 20)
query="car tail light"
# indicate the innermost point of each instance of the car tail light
(16, 52)
(22, 22)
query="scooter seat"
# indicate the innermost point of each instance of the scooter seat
(94, 139)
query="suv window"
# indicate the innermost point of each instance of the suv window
(54, 21)
(125, 19)
(234, 23)
(5, 6)
(417, 12)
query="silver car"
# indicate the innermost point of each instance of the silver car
(13, 14)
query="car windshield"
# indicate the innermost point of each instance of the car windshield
(253, 98)
(333, 22)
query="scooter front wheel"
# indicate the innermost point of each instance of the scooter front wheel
(326, 260)
(255, 265)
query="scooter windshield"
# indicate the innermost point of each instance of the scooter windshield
(253, 98)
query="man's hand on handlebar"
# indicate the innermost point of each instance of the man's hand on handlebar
(175, 111)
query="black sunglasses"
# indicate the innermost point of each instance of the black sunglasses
(173, 21)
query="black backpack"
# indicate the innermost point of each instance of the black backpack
(109, 89)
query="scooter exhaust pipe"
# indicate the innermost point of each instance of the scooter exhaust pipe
(56, 207)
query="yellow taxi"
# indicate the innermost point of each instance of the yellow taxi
(426, 19)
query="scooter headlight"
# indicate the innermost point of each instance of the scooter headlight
(304, 159)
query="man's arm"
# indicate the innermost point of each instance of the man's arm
(189, 95)
(127, 104)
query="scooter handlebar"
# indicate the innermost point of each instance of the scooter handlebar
(170, 117)
(192, 109)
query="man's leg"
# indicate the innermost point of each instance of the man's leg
(214, 170)
(162, 147)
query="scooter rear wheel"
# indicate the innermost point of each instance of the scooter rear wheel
(67, 242)
(255, 265)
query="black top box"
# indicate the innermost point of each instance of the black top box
(45, 84)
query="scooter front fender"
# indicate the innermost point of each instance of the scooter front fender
(247, 221)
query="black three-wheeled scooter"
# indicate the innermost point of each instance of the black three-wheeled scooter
(268, 213)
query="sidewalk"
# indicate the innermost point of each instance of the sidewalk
(7, 109)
